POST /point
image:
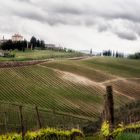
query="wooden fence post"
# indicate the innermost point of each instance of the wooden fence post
(21, 121)
(5, 121)
(108, 113)
(38, 117)
(109, 106)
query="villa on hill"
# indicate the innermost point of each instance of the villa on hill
(17, 37)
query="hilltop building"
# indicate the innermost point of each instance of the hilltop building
(50, 46)
(17, 37)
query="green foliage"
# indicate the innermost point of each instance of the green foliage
(33, 41)
(128, 136)
(122, 66)
(129, 132)
(36, 43)
(120, 132)
(135, 56)
(46, 134)
(9, 45)
(105, 129)
(12, 136)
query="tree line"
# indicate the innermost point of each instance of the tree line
(34, 43)
(134, 56)
(112, 53)
(22, 45)
(120, 55)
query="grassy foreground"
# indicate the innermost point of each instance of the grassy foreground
(129, 136)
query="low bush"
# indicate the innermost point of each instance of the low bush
(11, 136)
(120, 131)
(46, 134)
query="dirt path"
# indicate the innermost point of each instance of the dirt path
(112, 80)
(133, 78)
(87, 82)
(74, 78)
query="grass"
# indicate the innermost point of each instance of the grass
(93, 138)
(121, 67)
(89, 138)
(39, 55)
(77, 68)
(124, 136)
(129, 136)
(103, 66)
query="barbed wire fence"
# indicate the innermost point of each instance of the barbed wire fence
(15, 117)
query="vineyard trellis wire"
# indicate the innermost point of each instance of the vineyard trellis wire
(16, 117)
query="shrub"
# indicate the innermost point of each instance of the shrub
(46, 134)
(119, 131)
(12, 136)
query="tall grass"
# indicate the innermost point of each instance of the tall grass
(129, 136)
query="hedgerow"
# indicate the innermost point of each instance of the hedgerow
(106, 132)
(46, 134)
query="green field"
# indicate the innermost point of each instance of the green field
(74, 87)
(39, 55)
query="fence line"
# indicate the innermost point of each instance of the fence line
(21, 118)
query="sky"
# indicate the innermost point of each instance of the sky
(76, 24)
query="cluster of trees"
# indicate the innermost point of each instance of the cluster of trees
(135, 56)
(112, 53)
(22, 45)
(60, 49)
(107, 53)
(36, 43)
(9, 45)
(118, 54)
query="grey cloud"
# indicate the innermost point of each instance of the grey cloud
(102, 28)
(128, 36)
(97, 13)
(31, 16)
(109, 12)
(28, 1)
(124, 29)
(55, 13)
(67, 10)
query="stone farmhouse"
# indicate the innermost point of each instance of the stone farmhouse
(17, 37)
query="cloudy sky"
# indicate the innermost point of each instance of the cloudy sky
(77, 24)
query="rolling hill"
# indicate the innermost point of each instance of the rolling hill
(74, 87)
